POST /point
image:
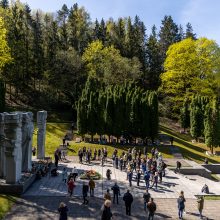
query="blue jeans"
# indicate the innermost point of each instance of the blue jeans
(180, 213)
(145, 206)
(151, 216)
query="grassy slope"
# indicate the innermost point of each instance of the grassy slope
(196, 152)
(191, 151)
(56, 131)
(5, 204)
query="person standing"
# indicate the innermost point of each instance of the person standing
(138, 177)
(64, 174)
(106, 211)
(178, 166)
(181, 204)
(63, 211)
(130, 174)
(85, 190)
(155, 180)
(128, 199)
(151, 206)
(147, 179)
(91, 187)
(56, 157)
(200, 202)
(107, 195)
(146, 198)
(116, 192)
(71, 186)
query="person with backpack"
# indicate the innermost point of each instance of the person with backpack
(151, 206)
(146, 198)
(128, 199)
(181, 204)
(116, 192)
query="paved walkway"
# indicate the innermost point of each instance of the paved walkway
(45, 208)
(42, 199)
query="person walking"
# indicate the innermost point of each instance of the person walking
(200, 202)
(91, 187)
(85, 190)
(146, 198)
(130, 174)
(138, 177)
(116, 192)
(63, 211)
(178, 166)
(151, 206)
(64, 175)
(147, 179)
(106, 210)
(155, 180)
(128, 199)
(181, 204)
(71, 186)
(107, 195)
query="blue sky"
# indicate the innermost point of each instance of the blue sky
(204, 15)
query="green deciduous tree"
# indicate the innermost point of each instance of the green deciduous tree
(190, 67)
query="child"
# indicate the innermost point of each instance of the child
(64, 174)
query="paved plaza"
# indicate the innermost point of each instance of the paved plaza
(44, 196)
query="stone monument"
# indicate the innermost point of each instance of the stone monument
(41, 133)
(27, 136)
(13, 150)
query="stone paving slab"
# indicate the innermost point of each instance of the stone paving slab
(170, 187)
(45, 208)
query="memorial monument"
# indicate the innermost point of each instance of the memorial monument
(41, 133)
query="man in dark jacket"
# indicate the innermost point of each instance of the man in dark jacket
(146, 198)
(128, 199)
(151, 206)
(85, 190)
(116, 192)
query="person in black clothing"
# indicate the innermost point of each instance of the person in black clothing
(63, 211)
(121, 163)
(128, 199)
(56, 157)
(116, 192)
(106, 211)
(146, 198)
(138, 177)
(151, 206)
(85, 190)
(178, 166)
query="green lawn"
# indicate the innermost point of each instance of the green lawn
(6, 202)
(54, 136)
(56, 131)
(191, 151)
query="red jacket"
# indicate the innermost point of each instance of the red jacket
(71, 184)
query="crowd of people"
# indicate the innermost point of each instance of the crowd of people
(138, 166)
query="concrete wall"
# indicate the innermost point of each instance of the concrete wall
(195, 171)
(214, 168)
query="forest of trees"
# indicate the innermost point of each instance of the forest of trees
(117, 110)
(54, 53)
(64, 60)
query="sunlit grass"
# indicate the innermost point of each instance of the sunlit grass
(6, 202)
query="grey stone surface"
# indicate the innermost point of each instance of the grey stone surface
(13, 151)
(27, 136)
(41, 133)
